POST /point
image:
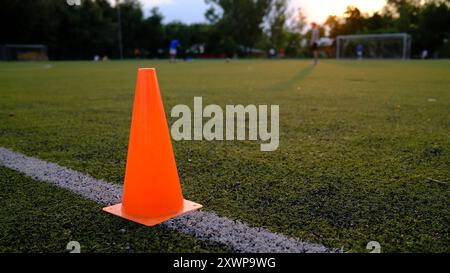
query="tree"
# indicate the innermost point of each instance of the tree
(132, 19)
(239, 21)
(334, 24)
(296, 40)
(69, 32)
(434, 20)
(277, 24)
(151, 38)
(354, 21)
(235, 26)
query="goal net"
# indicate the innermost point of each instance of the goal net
(23, 52)
(374, 46)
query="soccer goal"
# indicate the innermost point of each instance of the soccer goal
(374, 46)
(23, 52)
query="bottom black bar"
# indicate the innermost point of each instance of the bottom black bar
(231, 262)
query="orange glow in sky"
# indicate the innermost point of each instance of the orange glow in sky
(318, 10)
(190, 11)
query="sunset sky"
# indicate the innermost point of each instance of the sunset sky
(191, 11)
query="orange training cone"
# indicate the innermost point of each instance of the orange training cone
(152, 192)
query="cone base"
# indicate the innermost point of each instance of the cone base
(188, 206)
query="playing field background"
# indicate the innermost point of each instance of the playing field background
(363, 156)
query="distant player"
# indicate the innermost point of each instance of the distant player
(315, 42)
(272, 53)
(173, 50)
(360, 50)
(424, 54)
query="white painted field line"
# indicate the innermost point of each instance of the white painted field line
(205, 226)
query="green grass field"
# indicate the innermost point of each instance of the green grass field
(363, 156)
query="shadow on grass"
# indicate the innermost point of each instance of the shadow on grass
(301, 75)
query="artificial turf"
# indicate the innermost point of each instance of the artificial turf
(37, 217)
(363, 156)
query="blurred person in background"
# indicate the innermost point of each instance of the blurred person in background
(360, 50)
(315, 42)
(173, 50)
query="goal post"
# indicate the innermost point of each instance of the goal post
(23, 52)
(374, 46)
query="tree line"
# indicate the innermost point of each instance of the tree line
(232, 28)
(428, 22)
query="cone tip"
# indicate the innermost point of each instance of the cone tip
(147, 69)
